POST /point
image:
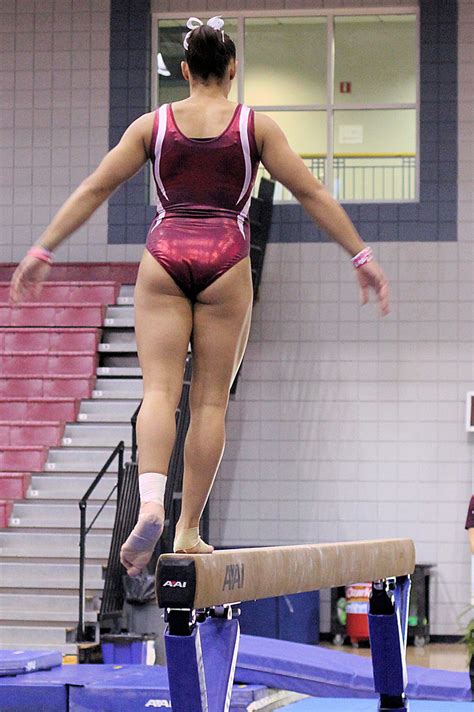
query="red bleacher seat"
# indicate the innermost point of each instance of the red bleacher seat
(60, 409)
(49, 339)
(14, 485)
(46, 386)
(5, 511)
(76, 292)
(47, 314)
(28, 458)
(24, 432)
(47, 362)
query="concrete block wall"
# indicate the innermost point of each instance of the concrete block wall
(54, 113)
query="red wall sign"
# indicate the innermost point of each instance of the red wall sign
(345, 87)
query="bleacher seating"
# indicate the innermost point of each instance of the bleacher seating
(48, 362)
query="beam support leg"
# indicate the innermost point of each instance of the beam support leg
(388, 620)
(201, 659)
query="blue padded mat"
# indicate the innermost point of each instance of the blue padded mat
(320, 672)
(16, 662)
(338, 705)
(262, 663)
(100, 688)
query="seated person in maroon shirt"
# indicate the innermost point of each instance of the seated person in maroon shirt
(470, 523)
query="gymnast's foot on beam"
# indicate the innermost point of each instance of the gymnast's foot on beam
(188, 541)
(137, 551)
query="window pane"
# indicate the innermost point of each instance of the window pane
(375, 155)
(171, 85)
(376, 59)
(306, 134)
(285, 61)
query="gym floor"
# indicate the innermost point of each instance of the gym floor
(443, 656)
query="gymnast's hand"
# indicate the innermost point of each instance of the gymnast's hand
(371, 276)
(28, 279)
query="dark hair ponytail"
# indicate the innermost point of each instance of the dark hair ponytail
(208, 54)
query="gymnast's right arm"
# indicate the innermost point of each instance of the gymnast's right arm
(117, 166)
(285, 166)
(120, 164)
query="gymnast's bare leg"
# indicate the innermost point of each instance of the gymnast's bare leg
(221, 324)
(163, 323)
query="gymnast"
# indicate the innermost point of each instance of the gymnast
(194, 279)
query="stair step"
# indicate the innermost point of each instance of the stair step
(80, 459)
(96, 435)
(117, 312)
(118, 336)
(119, 371)
(118, 388)
(119, 316)
(39, 616)
(64, 649)
(36, 638)
(118, 347)
(109, 410)
(63, 604)
(65, 486)
(61, 516)
(127, 290)
(40, 544)
(119, 322)
(47, 576)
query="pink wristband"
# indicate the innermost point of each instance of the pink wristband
(41, 253)
(362, 257)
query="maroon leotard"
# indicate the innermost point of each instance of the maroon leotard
(204, 186)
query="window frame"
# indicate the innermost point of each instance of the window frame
(330, 106)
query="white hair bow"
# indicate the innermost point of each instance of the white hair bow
(217, 23)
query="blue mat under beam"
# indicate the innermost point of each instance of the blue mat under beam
(262, 663)
(340, 705)
(320, 672)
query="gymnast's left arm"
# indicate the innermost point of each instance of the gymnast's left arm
(117, 166)
(287, 167)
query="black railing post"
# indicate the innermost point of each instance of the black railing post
(120, 468)
(81, 629)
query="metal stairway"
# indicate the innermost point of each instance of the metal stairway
(39, 551)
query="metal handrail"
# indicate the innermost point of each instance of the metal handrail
(385, 154)
(118, 451)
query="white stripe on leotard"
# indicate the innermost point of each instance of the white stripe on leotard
(161, 214)
(244, 140)
(162, 120)
(242, 215)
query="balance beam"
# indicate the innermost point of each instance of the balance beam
(193, 581)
